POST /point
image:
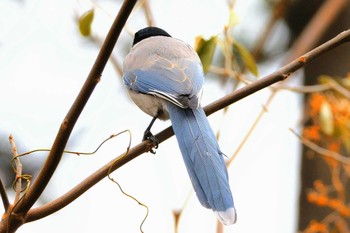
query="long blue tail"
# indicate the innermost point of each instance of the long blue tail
(204, 161)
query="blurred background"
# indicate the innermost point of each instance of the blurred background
(287, 147)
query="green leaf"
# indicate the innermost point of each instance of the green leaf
(246, 57)
(205, 50)
(326, 119)
(85, 22)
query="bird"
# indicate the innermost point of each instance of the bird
(164, 77)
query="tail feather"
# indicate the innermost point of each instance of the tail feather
(204, 161)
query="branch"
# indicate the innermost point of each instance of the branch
(18, 169)
(279, 75)
(4, 197)
(251, 129)
(72, 116)
(145, 146)
(59, 203)
(322, 151)
(148, 13)
(278, 12)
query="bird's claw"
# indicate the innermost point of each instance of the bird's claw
(149, 136)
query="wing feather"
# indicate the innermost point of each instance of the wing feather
(176, 77)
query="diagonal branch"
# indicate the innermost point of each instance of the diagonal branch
(145, 146)
(72, 116)
(4, 197)
(322, 151)
(279, 75)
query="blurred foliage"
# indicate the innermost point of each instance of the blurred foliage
(237, 58)
(244, 57)
(205, 50)
(329, 117)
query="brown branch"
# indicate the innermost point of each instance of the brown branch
(90, 181)
(72, 116)
(4, 197)
(145, 146)
(279, 75)
(113, 60)
(18, 168)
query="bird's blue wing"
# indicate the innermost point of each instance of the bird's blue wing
(179, 81)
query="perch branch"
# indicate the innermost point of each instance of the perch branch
(145, 146)
(72, 116)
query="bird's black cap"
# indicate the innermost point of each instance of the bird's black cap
(149, 32)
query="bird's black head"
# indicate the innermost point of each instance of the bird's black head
(148, 32)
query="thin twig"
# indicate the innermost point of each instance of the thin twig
(120, 187)
(304, 89)
(148, 13)
(279, 75)
(18, 168)
(299, 47)
(331, 84)
(72, 116)
(133, 198)
(229, 73)
(76, 152)
(251, 130)
(4, 197)
(278, 12)
(146, 146)
(322, 151)
(178, 213)
(339, 88)
(90, 181)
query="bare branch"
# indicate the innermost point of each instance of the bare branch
(331, 84)
(322, 151)
(4, 197)
(279, 75)
(251, 129)
(146, 146)
(277, 13)
(90, 181)
(148, 13)
(304, 89)
(18, 168)
(72, 116)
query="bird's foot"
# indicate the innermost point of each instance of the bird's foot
(149, 136)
